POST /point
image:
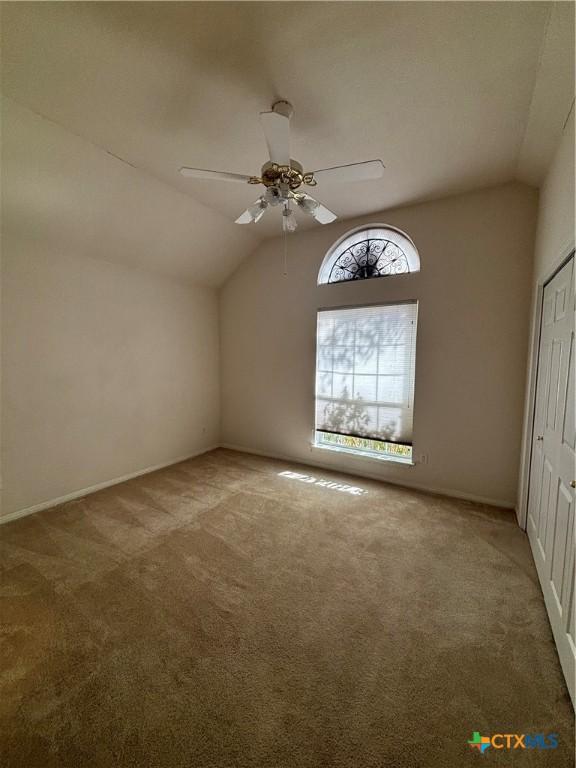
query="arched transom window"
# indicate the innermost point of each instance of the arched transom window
(366, 252)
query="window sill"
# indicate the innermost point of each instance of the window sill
(362, 455)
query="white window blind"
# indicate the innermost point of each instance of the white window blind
(365, 362)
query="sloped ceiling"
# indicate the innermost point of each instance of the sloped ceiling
(67, 194)
(449, 95)
(552, 96)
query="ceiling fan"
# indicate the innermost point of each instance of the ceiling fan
(284, 177)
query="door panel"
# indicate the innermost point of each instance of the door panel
(560, 303)
(571, 594)
(535, 499)
(548, 310)
(569, 421)
(551, 501)
(537, 467)
(544, 518)
(561, 525)
(552, 404)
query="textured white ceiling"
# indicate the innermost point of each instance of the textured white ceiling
(442, 92)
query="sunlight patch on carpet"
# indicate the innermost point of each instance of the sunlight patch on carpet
(311, 480)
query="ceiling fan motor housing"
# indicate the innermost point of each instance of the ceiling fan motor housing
(292, 175)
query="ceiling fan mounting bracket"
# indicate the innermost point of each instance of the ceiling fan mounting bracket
(283, 107)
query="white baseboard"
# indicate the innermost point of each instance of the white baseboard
(99, 486)
(372, 476)
(267, 454)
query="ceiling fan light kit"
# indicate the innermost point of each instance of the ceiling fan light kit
(283, 176)
(254, 213)
(307, 204)
(289, 222)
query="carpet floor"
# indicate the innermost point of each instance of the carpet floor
(221, 614)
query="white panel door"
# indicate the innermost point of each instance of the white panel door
(551, 499)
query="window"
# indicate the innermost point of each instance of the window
(365, 360)
(377, 251)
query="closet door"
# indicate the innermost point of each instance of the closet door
(552, 492)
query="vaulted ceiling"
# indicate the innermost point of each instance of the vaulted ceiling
(452, 96)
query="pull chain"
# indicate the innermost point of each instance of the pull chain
(285, 243)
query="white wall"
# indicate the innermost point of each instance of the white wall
(554, 241)
(107, 370)
(474, 293)
(555, 231)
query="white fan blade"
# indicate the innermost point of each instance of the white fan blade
(371, 169)
(310, 205)
(201, 173)
(276, 129)
(253, 213)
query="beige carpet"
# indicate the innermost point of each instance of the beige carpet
(219, 614)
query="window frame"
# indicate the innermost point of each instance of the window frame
(405, 244)
(350, 451)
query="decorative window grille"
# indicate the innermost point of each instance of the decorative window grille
(365, 363)
(369, 252)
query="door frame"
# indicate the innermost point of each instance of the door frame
(530, 404)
